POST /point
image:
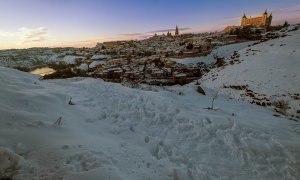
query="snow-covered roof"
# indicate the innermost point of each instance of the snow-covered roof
(83, 67)
(100, 56)
(180, 75)
(71, 59)
(96, 63)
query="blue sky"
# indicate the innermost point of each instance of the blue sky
(27, 23)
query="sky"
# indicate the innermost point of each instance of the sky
(83, 23)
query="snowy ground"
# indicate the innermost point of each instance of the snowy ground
(113, 132)
(222, 51)
(270, 69)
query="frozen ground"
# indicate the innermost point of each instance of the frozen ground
(270, 69)
(222, 51)
(113, 132)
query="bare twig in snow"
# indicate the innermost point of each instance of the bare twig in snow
(70, 101)
(58, 122)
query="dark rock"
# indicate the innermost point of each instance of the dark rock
(200, 90)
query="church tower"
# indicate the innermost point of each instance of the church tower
(265, 17)
(176, 31)
(244, 20)
(269, 22)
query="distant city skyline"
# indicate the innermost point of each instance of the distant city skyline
(78, 23)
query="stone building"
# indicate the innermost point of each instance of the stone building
(264, 20)
(228, 29)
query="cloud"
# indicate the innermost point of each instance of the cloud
(7, 34)
(292, 9)
(28, 35)
(132, 34)
(166, 30)
(93, 42)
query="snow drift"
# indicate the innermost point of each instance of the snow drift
(113, 132)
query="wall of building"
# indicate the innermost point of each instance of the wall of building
(264, 20)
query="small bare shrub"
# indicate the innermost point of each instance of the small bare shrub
(58, 122)
(214, 97)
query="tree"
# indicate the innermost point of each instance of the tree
(190, 46)
(286, 24)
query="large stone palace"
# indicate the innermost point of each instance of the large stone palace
(264, 20)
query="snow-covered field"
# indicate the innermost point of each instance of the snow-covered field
(222, 51)
(113, 132)
(270, 69)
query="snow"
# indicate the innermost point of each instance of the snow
(222, 51)
(100, 56)
(270, 68)
(84, 67)
(96, 63)
(180, 75)
(9, 162)
(114, 132)
(70, 59)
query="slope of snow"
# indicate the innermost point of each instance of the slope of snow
(271, 68)
(222, 51)
(113, 132)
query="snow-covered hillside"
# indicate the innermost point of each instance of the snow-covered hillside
(222, 51)
(270, 70)
(113, 132)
